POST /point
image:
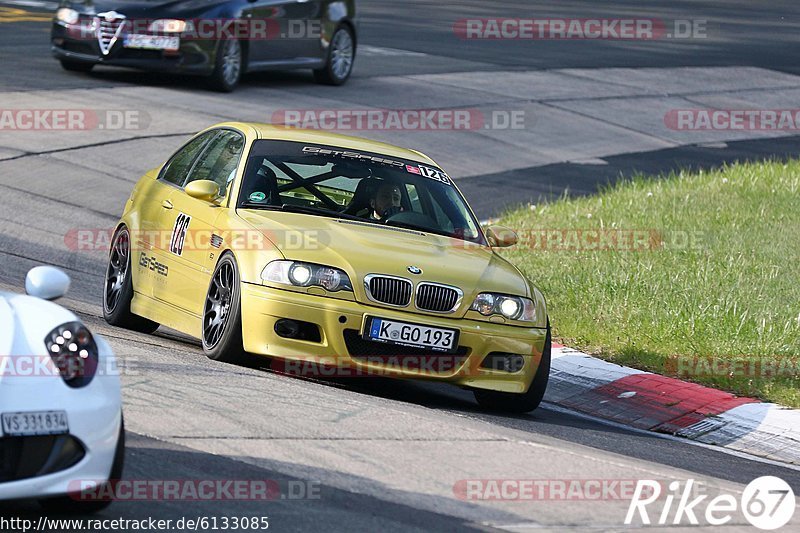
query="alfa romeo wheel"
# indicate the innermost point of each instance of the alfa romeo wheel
(341, 56)
(118, 287)
(228, 66)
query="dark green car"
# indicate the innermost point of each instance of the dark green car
(218, 39)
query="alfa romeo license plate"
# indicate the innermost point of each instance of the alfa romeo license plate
(413, 335)
(152, 42)
(34, 423)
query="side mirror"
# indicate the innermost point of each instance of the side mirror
(206, 190)
(500, 236)
(46, 282)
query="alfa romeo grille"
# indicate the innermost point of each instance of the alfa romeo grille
(437, 298)
(387, 290)
(109, 28)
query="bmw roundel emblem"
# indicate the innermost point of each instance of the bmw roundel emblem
(414, 270)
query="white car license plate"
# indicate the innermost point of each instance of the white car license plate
(415, 335)
(152, 42)
(34, 423)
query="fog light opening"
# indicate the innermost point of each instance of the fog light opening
(504, 362)
(287, 328)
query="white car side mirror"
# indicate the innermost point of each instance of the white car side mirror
(46, 282)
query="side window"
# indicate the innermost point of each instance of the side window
(219, 160)
(178, 167)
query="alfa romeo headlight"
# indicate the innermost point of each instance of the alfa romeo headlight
(74, 352)
(300, 274)
(167, 26)
(67, 15)
(511, 307)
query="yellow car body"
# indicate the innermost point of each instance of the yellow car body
(178, 234)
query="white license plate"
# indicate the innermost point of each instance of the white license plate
(152, 42)
(34, 423)
(405, 334)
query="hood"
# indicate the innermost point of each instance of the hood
(361, 248)
(151, 9)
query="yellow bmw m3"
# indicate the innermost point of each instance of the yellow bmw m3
(305, 246)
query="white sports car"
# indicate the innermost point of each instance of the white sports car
(61, 429)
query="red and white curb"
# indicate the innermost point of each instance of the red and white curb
(648, 401)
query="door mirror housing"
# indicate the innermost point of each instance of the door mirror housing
(205, 190)
(500, 236)
(46, 282)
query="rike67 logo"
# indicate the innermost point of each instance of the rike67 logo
(767, 503)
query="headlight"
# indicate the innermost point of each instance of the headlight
(306, 275)
(67, 15)
(511, 307)
(167, 26)
(74, 352)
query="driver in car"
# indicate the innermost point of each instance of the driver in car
(386, 202)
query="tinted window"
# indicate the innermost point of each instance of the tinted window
(219, 160)
(332, 181)
(179, 166)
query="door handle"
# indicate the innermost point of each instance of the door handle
(166, 204)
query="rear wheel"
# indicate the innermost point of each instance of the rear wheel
(520, 403)
(74, 504)
(222, 314)
(341, 56)
(118, 289)
(76, 66)
(228, 66)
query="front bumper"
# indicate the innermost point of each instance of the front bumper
(94, 415)
(342, 321)
(193, 57)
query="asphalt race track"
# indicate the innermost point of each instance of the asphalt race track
(371, 454)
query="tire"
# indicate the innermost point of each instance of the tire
(118, 287)
(228, 66)
(76, 66)
(508, 402)
(341, 57)
(222, 314)
(73, 505)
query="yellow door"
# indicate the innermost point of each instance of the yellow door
(194, 243)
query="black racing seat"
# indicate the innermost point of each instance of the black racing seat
(264, 181)
(365, 191)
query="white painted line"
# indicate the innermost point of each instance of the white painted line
(31, 3)
(388, 52)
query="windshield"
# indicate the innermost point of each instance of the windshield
(330, 181)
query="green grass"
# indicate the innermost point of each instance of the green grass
(733, 295)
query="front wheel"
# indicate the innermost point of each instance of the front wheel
(222, 314)
(228, 66)
(341, 56)
(520, 403)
